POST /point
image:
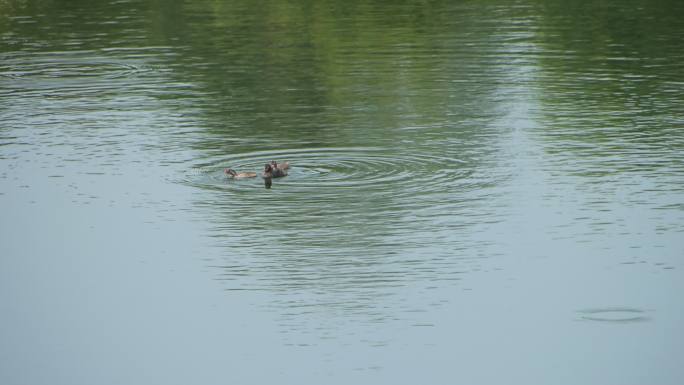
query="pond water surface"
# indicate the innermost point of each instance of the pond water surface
(481, 192)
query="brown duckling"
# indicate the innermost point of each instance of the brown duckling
(238, 175)
(273, 172)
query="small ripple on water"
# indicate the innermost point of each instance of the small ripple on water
(614, 315)
(74, 64)
(70, 69)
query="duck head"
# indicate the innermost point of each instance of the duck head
(230, 171)
(268, 170)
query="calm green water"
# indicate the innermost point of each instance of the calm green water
(482, 192)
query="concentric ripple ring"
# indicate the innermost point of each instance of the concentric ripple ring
(365, 168)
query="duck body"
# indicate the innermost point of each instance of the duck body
(273, 172)
(238, 175)
(278, 172)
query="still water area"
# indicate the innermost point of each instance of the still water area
(481, 192)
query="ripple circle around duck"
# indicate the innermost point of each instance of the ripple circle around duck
(329, 169)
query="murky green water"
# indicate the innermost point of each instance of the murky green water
(482, 192)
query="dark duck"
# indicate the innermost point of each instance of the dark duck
(274, 170)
